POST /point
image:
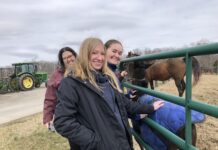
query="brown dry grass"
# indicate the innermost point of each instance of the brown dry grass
(29, 134)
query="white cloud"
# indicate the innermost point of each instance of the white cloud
(40, 28)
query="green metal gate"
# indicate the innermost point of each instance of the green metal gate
(187, 102)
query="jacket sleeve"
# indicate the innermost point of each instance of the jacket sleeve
(66, 122)
(50, 97)
(136, 108)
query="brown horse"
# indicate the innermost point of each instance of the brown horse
(170, 68)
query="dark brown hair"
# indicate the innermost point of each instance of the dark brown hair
(60, 58)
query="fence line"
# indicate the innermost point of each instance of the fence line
(187, 102)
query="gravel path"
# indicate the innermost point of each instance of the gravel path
(20, 104)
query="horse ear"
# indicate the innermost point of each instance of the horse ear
(129, 53)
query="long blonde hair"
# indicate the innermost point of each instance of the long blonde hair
(82, 67)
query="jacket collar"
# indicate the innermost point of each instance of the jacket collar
(112, 67)
(87, 84)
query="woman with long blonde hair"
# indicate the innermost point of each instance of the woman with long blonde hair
(91, 112)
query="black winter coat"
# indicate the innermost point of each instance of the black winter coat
(86, 120)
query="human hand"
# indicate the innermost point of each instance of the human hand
(47, 125)
(50, 126)
(133, 95)
(158, 104)
(123, 73)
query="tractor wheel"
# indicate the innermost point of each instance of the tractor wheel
(13, 84)
(2, 90)
(26, 82)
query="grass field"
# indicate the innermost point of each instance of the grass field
(29, 133)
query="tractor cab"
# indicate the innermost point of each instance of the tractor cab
(20, 68)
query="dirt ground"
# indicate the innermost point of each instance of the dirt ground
(205, 91)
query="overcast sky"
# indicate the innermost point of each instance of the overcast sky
(36, 30)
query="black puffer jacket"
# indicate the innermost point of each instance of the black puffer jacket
(85, 118)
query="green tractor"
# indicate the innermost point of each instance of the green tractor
(25, 77)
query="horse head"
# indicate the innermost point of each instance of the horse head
(136, 69)
(136, 72)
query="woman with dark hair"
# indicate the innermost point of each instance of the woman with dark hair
(66, 57)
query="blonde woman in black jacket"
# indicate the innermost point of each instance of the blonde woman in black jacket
(91, 112)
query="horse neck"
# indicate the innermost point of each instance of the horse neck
(147, 74)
